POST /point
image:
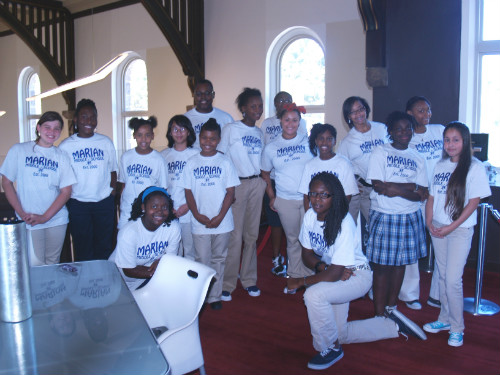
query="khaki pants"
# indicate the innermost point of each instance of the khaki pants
(246, 213)
(291, 213)
(187, 248)
(211, 250)
(451, 255)
(47, 244)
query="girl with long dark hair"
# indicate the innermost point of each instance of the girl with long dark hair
(459, 182)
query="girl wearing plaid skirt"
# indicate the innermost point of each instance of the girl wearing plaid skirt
(397, 232)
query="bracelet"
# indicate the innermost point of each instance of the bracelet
(316, 266)
(416, 188)
(305, 284)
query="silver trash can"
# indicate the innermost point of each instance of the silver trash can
(15, 292)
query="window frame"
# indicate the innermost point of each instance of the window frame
(120, 115)
(24, 114)
(273, 64)
(473, 48)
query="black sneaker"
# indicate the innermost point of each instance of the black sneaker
(226, 296)
(217, 305)
(279, 269)
(326, 358)
(406, 326)
(433, 302)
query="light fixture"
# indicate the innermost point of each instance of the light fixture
(99, 74)
(2, 113)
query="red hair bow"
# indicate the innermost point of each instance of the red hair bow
(293, 107)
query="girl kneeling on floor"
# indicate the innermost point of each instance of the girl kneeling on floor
(141, 243)
(332, 248)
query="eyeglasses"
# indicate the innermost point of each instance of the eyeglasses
(179, 130)
(281, 101)
(422, 110)
(359, 110)
(313, 194)
(199, 94)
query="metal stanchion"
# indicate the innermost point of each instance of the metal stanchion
(476, 305)
(428, 266)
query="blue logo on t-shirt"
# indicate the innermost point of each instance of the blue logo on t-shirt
(441, 180)
(331, 172)
(318, 243)
(152, 250)
(273, 130)
(175, 167)
(367, 146)
(41, 163)
(139, 170)
(401, 163)
(429, 146)
(290, 151)
(253, 144)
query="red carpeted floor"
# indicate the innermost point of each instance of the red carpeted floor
(270, 335)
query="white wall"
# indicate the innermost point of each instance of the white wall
(238, 34)
(16, 55)
(130, 29)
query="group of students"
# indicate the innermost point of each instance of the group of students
(202, 198)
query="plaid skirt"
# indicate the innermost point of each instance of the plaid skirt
(396, 240)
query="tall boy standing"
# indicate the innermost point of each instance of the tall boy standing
(203, 95)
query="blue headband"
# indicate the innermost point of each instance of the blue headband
(152, 189)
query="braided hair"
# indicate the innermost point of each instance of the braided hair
(137, 211)
(339, 208)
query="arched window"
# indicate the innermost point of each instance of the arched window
(130, 98)
(296, 64)
(29, 112)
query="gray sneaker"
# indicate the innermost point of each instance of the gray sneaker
(405, 326)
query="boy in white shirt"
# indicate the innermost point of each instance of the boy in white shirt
(209, 179)
(203, 110)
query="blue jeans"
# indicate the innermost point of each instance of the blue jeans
(91, 226)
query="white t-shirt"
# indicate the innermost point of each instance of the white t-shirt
(271, 128)
(93, 159)
(198, 119)
(288, 158)
(40, 173)
(208, 177)
(429, 145)
(357, 146)
(138, 172)
(388, 164)
(338, 166)
(476, 186)
(175, 162)
(346, 251)
(243, 145)
(137, 246)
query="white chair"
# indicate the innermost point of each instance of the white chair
(172, 299)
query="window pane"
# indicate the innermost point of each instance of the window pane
(135, 89)
(491, 26)
(34, 106)
(32, 129)
(313, 118)
(490, 116)
(302, 72)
